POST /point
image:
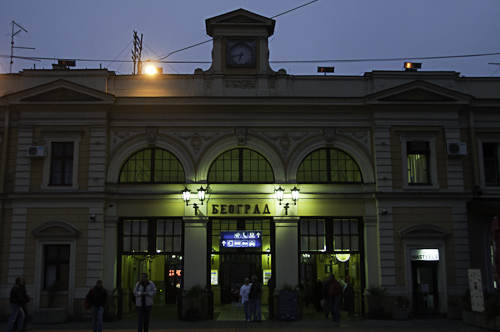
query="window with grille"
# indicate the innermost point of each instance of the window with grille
(152, 166)
(241, 166)
(61, 168)
(329, 166)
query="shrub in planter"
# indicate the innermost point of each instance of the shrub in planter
(401, 307)
(375, 296)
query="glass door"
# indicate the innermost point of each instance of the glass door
(425, 292)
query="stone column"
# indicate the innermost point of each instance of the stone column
(287, 251)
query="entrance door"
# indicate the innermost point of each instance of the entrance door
(425, 290)
(234, 270)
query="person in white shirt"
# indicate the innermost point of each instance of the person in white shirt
(244, 293)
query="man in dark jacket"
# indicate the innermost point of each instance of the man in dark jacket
(255, 293)
(97, 297)
(17, 300)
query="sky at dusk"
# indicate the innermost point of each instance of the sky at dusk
(324, 30)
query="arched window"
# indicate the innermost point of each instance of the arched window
(152, 166)
(240, 166)
(329, 166)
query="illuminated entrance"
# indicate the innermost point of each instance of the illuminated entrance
(152, 246)
(332, 246)
(240, 248)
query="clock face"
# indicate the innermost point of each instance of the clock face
(240, 53)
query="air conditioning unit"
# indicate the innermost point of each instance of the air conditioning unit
(35, 151)
(456, 148)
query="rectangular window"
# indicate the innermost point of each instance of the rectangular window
(61, 168)
(169, 235)
(491, 163)
(346, 237)
(330, 235)
(56, 270)
(135, 235)
(312, 235)
(418, 154)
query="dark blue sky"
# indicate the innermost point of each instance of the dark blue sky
(323, 30)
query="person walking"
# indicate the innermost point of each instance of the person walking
(97, 297)
(144, 292)
(244, 293)
(254, 296)
(334, 293)
(17, 301)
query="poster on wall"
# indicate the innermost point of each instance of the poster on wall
(476, 290)
(266, 276)
(214, 277)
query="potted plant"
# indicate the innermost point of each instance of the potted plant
(400, 310)
(193, 295)
(454, 311)
(375, 296)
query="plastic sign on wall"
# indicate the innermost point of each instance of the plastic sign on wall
(241, 239)
(427, 255)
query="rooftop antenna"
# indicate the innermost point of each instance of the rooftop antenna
(136, 54)
(12, 47)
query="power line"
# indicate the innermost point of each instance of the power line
(284, 61)
(206, 41)
(291, 10)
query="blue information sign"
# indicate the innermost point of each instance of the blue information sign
(241, 239)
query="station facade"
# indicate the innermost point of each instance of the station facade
(391, 178)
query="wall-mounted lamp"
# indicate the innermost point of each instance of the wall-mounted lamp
(186, 195)
(280, 192)
(295, 195)
(201, 194)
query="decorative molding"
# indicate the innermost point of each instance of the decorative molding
(151, 135)
(284, 140)
(362, 137)
(195, 139)
(424, 231)
(119, 136)
(329, 136)
(56, 229)
(241, 134)
(240, 84)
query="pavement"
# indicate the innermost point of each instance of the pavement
(412, 324)
(234, 322)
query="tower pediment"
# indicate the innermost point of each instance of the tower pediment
(237, 20)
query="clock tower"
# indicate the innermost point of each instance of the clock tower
(240, 43)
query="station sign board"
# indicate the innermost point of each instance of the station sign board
(241, 239)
